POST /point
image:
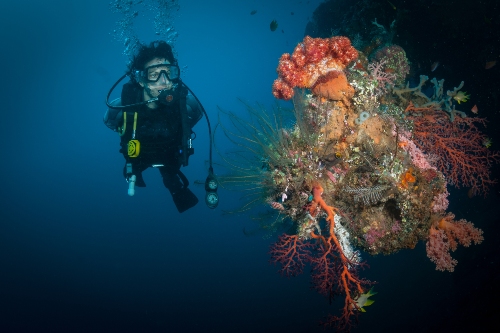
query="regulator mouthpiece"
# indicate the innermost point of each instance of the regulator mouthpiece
(167, 96)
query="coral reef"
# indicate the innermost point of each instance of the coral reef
(357, 169)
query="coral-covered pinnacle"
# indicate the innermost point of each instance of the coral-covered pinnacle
(312, 59)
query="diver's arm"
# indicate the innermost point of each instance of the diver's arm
(193, 110)
(113, 118)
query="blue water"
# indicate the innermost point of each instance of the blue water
(78, 255)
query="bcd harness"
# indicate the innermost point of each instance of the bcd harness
(184, 150)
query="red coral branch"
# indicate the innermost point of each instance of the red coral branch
(463, 158)
(292, 253)
(332, 272)
(334, 268)
(325, 270)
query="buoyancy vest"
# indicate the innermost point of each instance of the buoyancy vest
(164, 133)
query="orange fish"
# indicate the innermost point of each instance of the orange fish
(474, 109)
(490, 64)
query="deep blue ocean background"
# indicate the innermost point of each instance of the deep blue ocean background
(77, 254)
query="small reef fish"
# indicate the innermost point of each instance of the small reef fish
(434, 65)
(474, 109)
(363, 300)
(274, 25)
(461, 96)
(490, 64)
(487, 142)
(253, 12)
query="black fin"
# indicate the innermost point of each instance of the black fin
(184, 199)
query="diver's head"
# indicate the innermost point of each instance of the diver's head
(155, 69)
(158, 74)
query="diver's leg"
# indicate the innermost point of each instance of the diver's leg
(182, 196)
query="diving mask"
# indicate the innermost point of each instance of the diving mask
(159, 73)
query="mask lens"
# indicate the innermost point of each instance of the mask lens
(174, 73)
(166, 72)
(154, 73)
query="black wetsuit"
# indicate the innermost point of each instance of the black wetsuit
(160, 133)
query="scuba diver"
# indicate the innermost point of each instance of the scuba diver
(154, 118)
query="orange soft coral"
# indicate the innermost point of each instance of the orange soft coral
(318, 201)
(333, 86)
(407, 178)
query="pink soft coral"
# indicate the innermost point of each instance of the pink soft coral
(440, 202)
(445, 236)
(438, 250)
(460, 231)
